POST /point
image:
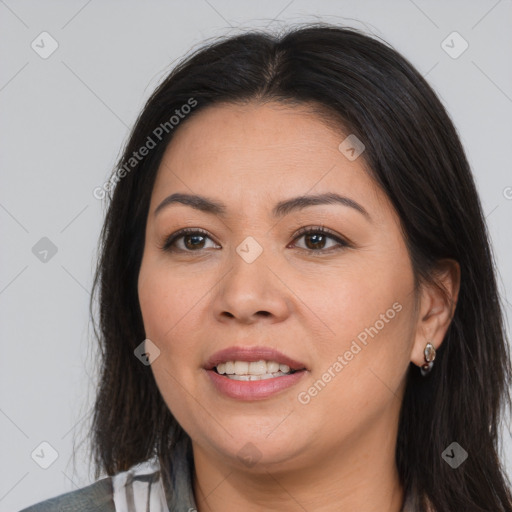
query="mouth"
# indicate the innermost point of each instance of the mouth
(253, 373)
(254, 370)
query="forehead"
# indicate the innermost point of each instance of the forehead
(273, 127)
(261, 151)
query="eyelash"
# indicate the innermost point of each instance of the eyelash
(169, 241)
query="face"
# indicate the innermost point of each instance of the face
(252, 282)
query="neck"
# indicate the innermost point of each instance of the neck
(360, 474)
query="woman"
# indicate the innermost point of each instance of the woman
(298, 304)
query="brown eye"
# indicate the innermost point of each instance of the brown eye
(317, 240)
(193, 241)
(187, 240)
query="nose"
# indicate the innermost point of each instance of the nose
(251, 292)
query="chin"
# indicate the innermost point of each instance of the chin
(254, 450)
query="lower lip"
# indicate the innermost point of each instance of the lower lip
(253, 389)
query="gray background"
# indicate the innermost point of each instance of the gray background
(63, 122)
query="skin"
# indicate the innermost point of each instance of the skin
(337, 451)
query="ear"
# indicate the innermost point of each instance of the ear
(436, 307)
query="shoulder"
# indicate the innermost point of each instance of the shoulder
(97, 497)
(133, 489)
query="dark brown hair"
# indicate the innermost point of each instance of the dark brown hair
(415, 155)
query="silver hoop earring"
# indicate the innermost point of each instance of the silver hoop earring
(429, 354)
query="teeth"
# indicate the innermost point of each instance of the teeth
(272, 367)
(256, 377)
(255, 370)
(241, 367)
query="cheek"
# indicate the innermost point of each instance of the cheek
(355, 299)
(165, 299)
(172, 303)
(364, 358)
(355, 384)
(165, 304)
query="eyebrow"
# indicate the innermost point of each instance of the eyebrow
(281, 209)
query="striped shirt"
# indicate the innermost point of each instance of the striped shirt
(141, 489)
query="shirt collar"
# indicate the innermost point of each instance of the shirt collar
(180, 491)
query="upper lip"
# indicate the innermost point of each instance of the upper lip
(251, 354)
